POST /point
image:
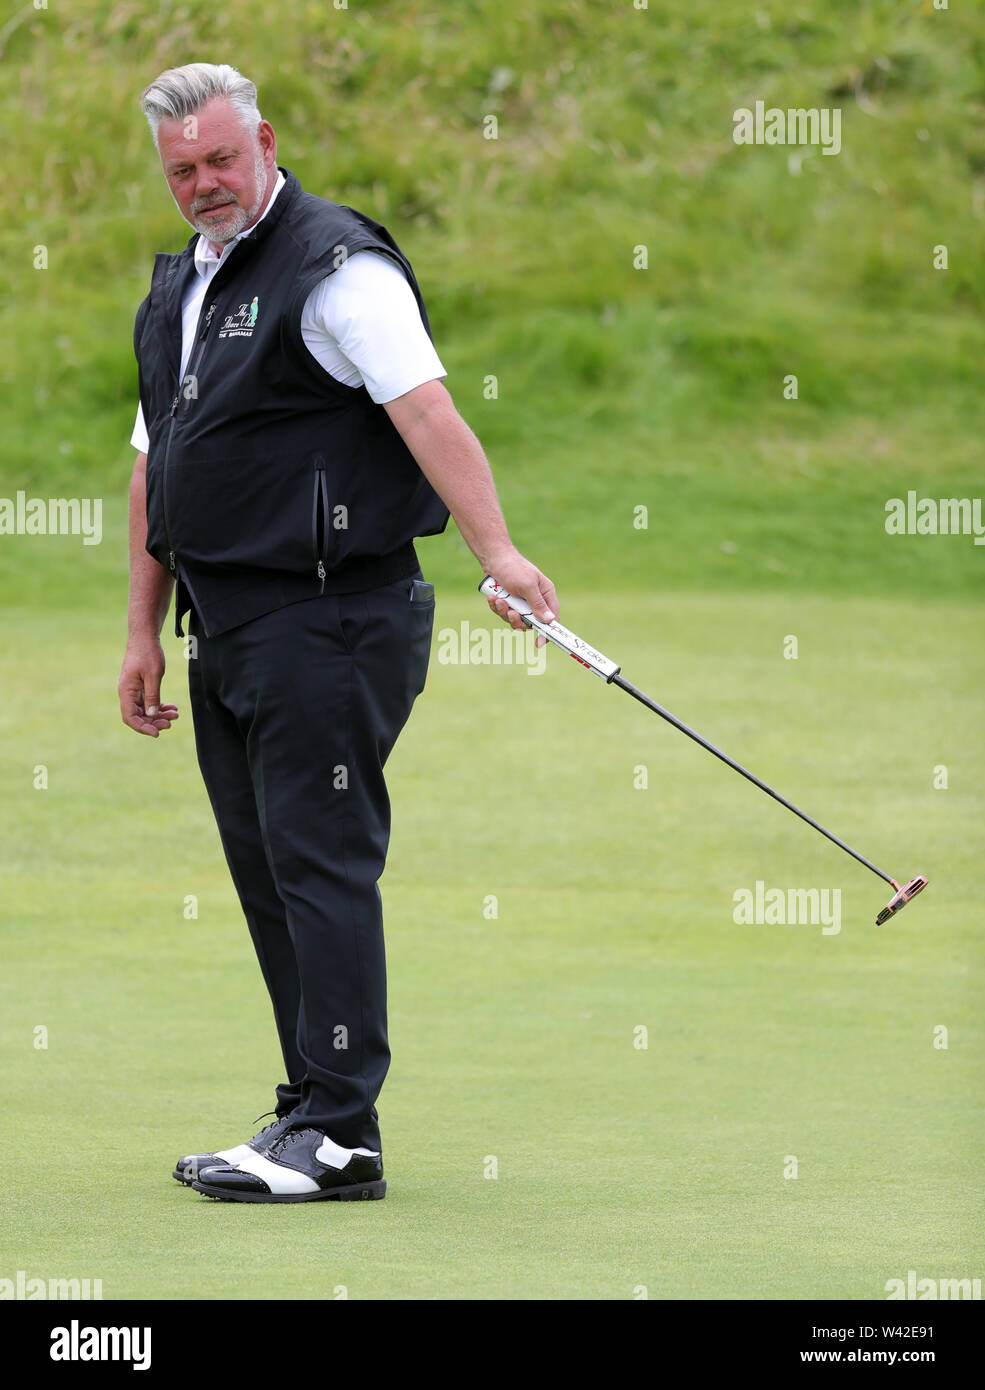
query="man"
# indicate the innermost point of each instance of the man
(294, 437)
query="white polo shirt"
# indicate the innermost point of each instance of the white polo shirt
(361, 323)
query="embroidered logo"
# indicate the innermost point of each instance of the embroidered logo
(240, 324)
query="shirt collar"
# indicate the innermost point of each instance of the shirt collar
(206, 261)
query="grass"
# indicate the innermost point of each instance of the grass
(513, 1037)
(617, 385)
(640, 288)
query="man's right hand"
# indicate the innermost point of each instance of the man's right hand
(139, 688)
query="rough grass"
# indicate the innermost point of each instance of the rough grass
(617, 385)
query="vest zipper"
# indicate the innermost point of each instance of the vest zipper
(167, 447)
(172, 565)
(164, 484)
(320, 505)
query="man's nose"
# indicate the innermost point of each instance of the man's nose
(206, 183)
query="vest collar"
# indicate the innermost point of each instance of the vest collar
(171, 271)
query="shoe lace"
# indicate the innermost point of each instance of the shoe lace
(290, 1136)
(275, 1121)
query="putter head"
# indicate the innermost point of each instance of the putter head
(901, 898)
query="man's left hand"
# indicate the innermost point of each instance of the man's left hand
(519, 577)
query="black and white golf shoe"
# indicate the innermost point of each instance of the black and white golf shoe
(188, 1168)
(301, 1165)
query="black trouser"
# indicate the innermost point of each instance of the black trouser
(295, 715)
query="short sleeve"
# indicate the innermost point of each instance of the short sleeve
(140, 439)
(363, 325)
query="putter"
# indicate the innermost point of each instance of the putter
(608, 670)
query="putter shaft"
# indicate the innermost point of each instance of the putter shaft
(750, 776)
(589, 656)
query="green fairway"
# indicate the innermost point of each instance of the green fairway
(619, 1167)
(702, 371)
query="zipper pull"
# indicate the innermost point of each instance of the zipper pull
(321, 574)
(174, 403)
(208, 320)
(171, 560)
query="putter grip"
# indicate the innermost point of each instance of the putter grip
(561, 636)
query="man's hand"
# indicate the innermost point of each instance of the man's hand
(518, 576)
(139, 688)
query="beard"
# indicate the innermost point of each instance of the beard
(234, 218)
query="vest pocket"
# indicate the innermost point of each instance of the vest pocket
(319, 519)
(262, 510)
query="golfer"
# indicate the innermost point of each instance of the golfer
(293, 438)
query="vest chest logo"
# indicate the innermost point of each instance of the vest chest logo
(240, 324)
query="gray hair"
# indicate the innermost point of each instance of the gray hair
(181, 92)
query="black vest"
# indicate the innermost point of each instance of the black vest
(268, 481)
